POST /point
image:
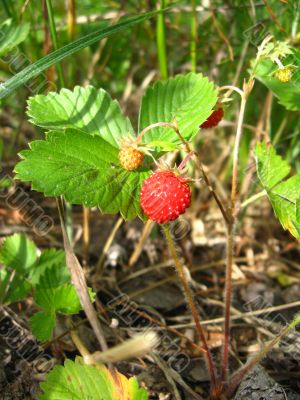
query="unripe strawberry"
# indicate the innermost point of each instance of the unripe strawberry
(130, 158)
(164, 196)
(214, 119)
(284, 74)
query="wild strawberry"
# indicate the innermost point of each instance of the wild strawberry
(164, 196)
(284, 74)
(214, 119)
(130, 158)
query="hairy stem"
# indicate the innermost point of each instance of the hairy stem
(190, 300)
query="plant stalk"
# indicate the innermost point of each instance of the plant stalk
(194, 37)
(161, 41)
(78, 280)
(230, 238)
(191, 304)
(54, 41)
(254, 198)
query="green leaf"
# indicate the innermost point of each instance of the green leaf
(54, 292)
(58, 55)
(135, 391)
(271, 168)
(85, 170)
(188, 99)
(58, 299)
(288, 93)
(42, 325)
(162, 146)
(11, 35)
(48, 259)
(12, 286)
(18, 252)
(283, 194)
(76, 381)
(88, 109)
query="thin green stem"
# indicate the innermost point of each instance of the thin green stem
(280, 130)
(194, 37)
(54, 41)
(296, 20)
(161, 41)
(253, 198)
(7, 10)
(190, 300)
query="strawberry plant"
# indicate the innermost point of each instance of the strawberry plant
(83, 159)
(102, 139)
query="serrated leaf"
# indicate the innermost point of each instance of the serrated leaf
(55, 293)
(85, 170)
(48, 259)
(271, 168)
(284, 195)
(42, 325)
(88, 109)
(12, 286)
(288, 93)
(18, 252)
(58, 299)
(11, 35)
(76, 381)
(188, 99)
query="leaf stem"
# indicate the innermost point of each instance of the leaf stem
(253, 198)
(191, 304)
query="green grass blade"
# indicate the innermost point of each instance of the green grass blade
(161, 41)
(58, 55)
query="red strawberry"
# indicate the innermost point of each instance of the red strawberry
(164, 196)
(214, 119)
